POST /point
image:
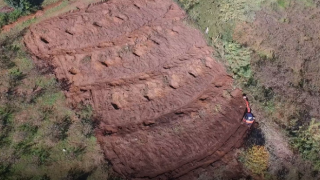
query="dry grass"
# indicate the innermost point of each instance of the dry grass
(256, 160)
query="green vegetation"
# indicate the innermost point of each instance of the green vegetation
(237, 57)
(22, 5)
(220, 18)
(307, 141)
(40, 137)
(7, 18)
(21, 8)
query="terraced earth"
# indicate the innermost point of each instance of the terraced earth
(163, 104)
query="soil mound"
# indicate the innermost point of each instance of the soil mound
(165, 106)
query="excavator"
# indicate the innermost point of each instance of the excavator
(248, 117)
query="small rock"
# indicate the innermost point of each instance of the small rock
(73, 71)
(148, 122)
(174, 81)
(110, 129)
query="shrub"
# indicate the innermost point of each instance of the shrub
(256, 159)
(14, 15)
(307, 141)
(238, 58)
(3, 19)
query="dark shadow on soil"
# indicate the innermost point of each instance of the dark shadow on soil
(255, 137)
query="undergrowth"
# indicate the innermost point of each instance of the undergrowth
(217, 20)
(307, 141)
(40, 137)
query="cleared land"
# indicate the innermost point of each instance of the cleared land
(164, 105)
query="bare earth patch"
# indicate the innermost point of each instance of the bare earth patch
(165, 107)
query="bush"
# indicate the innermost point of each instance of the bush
(256, 159)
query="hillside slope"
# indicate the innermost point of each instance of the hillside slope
(164, 105)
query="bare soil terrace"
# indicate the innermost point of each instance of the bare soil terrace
(164, 106)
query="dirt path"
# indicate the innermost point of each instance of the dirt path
(165, 107)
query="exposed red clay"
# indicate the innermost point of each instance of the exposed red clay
(165, 106)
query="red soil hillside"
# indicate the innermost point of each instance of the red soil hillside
(165, 106)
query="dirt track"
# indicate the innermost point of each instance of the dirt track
(165, 106)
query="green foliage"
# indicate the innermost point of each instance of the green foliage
(7, 18)
(4, 19)
(307, 141)
(256, 159)
(238, 58)
(14, 15)
(23, 5)
(6, 116)
(22, 8)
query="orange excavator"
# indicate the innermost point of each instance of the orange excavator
(248, 117)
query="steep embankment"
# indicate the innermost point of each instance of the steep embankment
(164, 105)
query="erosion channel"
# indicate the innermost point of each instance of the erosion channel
(164, 105)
